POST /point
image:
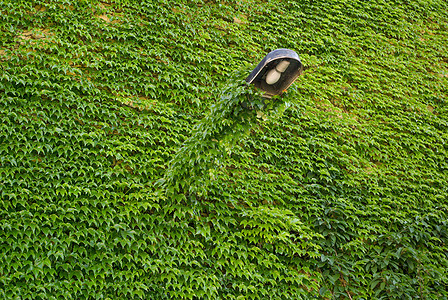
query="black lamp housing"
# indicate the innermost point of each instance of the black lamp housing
(266, 70)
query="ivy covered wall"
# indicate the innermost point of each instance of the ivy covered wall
(342, 195)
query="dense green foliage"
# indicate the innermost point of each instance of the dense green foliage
(129, 168)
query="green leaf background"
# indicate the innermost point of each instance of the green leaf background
(117, 181)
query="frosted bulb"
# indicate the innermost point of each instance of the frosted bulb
(282, 66)
(273, 76)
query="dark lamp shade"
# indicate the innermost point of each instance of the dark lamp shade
(275, 60)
